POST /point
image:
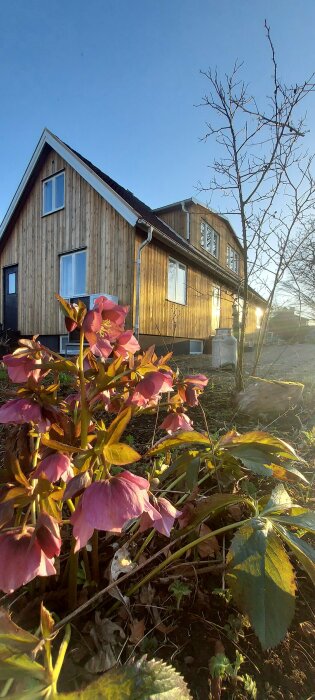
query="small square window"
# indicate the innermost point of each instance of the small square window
(12, 283)
(54, 194)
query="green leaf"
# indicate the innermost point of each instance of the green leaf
(145, 680)
(261, 579)
(118, 426)
(18, 665)
(210, 507)
(120, 454)
(14, 637)
(185, 438)
(304, 521)
(304, 553)
(279, 500)
(192, 473)
(269, 443)
(258, 461)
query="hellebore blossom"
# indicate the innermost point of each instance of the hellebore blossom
(25, 362)
(161, 517)
(150, 387)
(191, 386)
(24, 411)
(176, 421)
(109, 504)
(126, 343)
(103, 325)
(28, 553)
(54, 467)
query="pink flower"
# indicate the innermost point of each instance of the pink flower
(191, 387)
(126, 343)
(149, 388)
(176, 421)
(20, 368)
(54, 467)
(164, 523)
(108, 505)
(103, 325)
(24, 411)
(28, 554)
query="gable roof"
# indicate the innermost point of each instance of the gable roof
(122, 200)
(192, 200)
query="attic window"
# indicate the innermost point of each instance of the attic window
(209, 239)
(54, 193)
(232, 259)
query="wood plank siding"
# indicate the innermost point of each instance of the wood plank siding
(36, 242)
(159, 316)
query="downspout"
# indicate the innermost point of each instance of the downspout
(185, 210)
(138, 271)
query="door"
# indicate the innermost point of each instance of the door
(10, 298)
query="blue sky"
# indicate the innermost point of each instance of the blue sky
(118, 81)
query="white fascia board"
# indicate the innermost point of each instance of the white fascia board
(81, 168)
(117, 202)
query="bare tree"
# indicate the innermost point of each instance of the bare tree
(262, 172)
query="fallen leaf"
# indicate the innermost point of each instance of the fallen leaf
(121, 563)
(209, 548)
(137, 631)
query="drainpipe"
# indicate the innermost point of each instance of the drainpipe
(187, 220)
(138, 270)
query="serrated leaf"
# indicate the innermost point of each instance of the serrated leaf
(257, 460)
(145, 680)
(269, 443)
(180, 439)
(304, 521)
(279, 500)
(303, 551)
(120, 454)
(261, 579)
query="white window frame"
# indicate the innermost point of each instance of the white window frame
(53, 180)
(206, 228)
(216, 308)
(233, 259)
(81, 293)
(169, 297)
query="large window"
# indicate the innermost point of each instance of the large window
(209, 239)
(232, 259)
(177, 281)
(54, 193)
(73, 274)
(216, 308)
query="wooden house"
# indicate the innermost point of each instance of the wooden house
(71, 229)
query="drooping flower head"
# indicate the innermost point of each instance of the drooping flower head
(149, 388)
(24, 410)
(103, 325)
(54, 467)
(176, 421)
(161, 517)
(109, 504)
(26, 362)
(28, 553)
(190, 388)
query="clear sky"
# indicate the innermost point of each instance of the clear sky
(118, 81)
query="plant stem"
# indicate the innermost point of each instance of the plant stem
(34, 481)
(72, 577)
(95, 560)
(182, 551)
(60, 659)
(84, 407)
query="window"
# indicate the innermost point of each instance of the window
(209, 239)
(54, 193)
(216, 308)
(259, 314)
(177, 282)
(12, 283)
(73, 274)
(232, 259)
